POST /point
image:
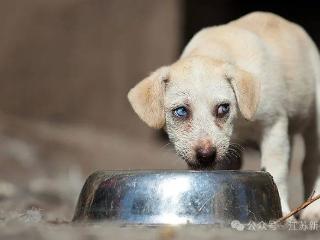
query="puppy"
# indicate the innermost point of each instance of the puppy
(253, 79)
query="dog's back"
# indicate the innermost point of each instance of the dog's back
(297, 57)
(278, 52)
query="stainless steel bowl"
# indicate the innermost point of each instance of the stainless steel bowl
(179, 197)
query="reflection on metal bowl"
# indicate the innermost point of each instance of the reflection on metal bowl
(179, 197)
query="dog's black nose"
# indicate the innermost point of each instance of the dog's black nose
(206, 155)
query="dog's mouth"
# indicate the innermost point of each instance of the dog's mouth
(201, 166)
(229, 160)
(224, 163)
(201, 163)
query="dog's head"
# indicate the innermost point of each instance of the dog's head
(196, 100)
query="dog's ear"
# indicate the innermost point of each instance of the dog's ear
(246, 89)
(147, 98)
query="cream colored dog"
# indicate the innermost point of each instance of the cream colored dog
(253, 79)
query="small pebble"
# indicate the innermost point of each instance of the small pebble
(167, 233)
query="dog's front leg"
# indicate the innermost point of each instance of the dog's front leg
(275, 153)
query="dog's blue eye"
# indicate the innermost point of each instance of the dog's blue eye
(180, 112)
(223, 110)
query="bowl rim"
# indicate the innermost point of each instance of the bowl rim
(178, 171)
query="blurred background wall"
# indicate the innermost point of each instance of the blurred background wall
(75, 60)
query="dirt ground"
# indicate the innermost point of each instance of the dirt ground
(44, 165)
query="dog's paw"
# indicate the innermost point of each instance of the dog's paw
(312, 212)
